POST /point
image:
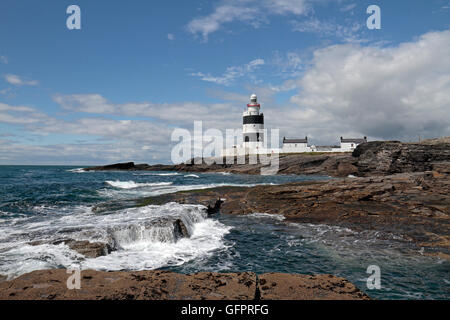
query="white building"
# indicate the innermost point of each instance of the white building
(253, 137)
(351, 144)
(295, 145)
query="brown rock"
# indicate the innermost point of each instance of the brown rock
(180, 229)
(86, 248)
(344, 169)
(281, 286)
(165, 285)
(415, 206)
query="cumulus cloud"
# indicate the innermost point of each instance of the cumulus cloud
(18, 81)
(232, 73)
(384, 92)
(170, 36)
(253, 12)
(4, 59)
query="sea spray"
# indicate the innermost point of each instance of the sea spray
(144, 238)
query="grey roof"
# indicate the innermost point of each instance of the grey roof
(354, 140)
(295, 140)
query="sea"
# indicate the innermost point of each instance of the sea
(41, 204)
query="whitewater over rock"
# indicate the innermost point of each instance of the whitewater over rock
(139, 238)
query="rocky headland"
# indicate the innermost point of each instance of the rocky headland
(368, 159)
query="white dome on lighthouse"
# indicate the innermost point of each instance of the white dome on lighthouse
(253, 98)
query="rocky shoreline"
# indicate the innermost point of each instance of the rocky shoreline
(402, 189)
(166, 285)
(397, 188)
(368, 159)
(413, 206)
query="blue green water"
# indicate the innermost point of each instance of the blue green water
(52, 202)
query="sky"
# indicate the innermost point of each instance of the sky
(116, 89)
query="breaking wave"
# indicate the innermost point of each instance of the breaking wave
(77, 170)
(133, 185)
(191, 176)
(143, 238)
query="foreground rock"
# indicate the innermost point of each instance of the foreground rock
(414, 206)
(165, 285)
(372, 158)
(282, 286)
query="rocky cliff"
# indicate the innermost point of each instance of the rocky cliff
(389, 157)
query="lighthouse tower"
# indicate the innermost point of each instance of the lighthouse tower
(253, 127)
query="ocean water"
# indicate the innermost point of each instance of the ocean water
(46, 203)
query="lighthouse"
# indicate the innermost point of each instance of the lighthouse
(253, 126)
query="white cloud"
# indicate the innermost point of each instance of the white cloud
(253, 12)
(348, 7)
(82, 154)
(349, 33)
(170, 36)
(232, 73)
(18, 81)
(4, 59)
(391, 93)
(20, 114)
(181, 114)
(290, 64)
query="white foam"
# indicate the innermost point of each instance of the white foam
(156, 174)
(133, 185)
(266, 215)
(144, 236)
(155, 190)
(191, 176)
(77, 170)
(207, 237)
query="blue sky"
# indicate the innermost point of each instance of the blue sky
(116, 89)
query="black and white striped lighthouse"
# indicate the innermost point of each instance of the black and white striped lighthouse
(253, 125)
